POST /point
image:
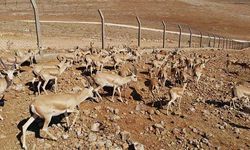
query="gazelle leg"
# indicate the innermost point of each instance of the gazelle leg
(198, 78)
(44, 86)
(96, 90)
(112, 99)
(74, 121)
(67, 118)
(39, 87)
(169, 104)
(233, 102)
(45, 127)
(120, 94)
(101, 67)
(24, 129)
(91, 70)
(56, 86)
(33, 83)
(179, 104)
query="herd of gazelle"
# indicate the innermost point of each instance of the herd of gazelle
(164, 66)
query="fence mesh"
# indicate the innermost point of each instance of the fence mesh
(15, 33)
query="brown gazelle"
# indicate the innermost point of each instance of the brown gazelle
(39, 67)
(6, 82)
(176, 93)
(47, 74)
(47, 106)
(240, 91)
(114, 80)
(198, 70)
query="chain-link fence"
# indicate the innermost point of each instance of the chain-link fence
(17, 28)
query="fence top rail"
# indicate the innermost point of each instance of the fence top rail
(125, 26)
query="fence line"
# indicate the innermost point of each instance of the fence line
(131, 27)
(228, 43)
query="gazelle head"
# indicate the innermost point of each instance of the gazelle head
(133, 76)
(8, 72)
(89, 91)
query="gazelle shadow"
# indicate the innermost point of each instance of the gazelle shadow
(37, 125)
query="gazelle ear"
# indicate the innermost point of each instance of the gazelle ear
(84, 83)
(4, 72)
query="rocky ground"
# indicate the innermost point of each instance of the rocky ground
(206, 120)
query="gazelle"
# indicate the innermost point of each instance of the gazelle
(47, 74)
(114, 80)
(239, 92)
(154, 85)
(90, 59)
(38, 67)
(47, 106)
(20, 58)
(6, 82)
(198, 70)
(163, 75)
(175, 94)
(99, 63)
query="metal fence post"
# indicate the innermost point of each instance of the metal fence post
(164, 33)
(231, 44)
(180, 29)
(219, 42)
(103, 28)
(209, 40)
(139, 31)
(190, 37)
(201, 39)
(38, 26)
(226, 43)
(223, 43)
(214, 41)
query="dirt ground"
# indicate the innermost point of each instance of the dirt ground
(206, 120)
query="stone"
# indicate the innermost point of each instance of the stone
(86, 112)
(98, 108)
(124, 135)
(65, 136)
(78, 132)
(125, 146)
(205, 141)
(237, 130)
(138, 107)
(192, 109)
(176, 131)
(114, 117)
(76, 89)
(194, 130)
(151, 111)
(95, 127)
(108, 144)
(78, 146)
(159, 126)
(47, 146)
(19, 87)
(93, 115)
(116, 111)
(138, 146)
(92, 137)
